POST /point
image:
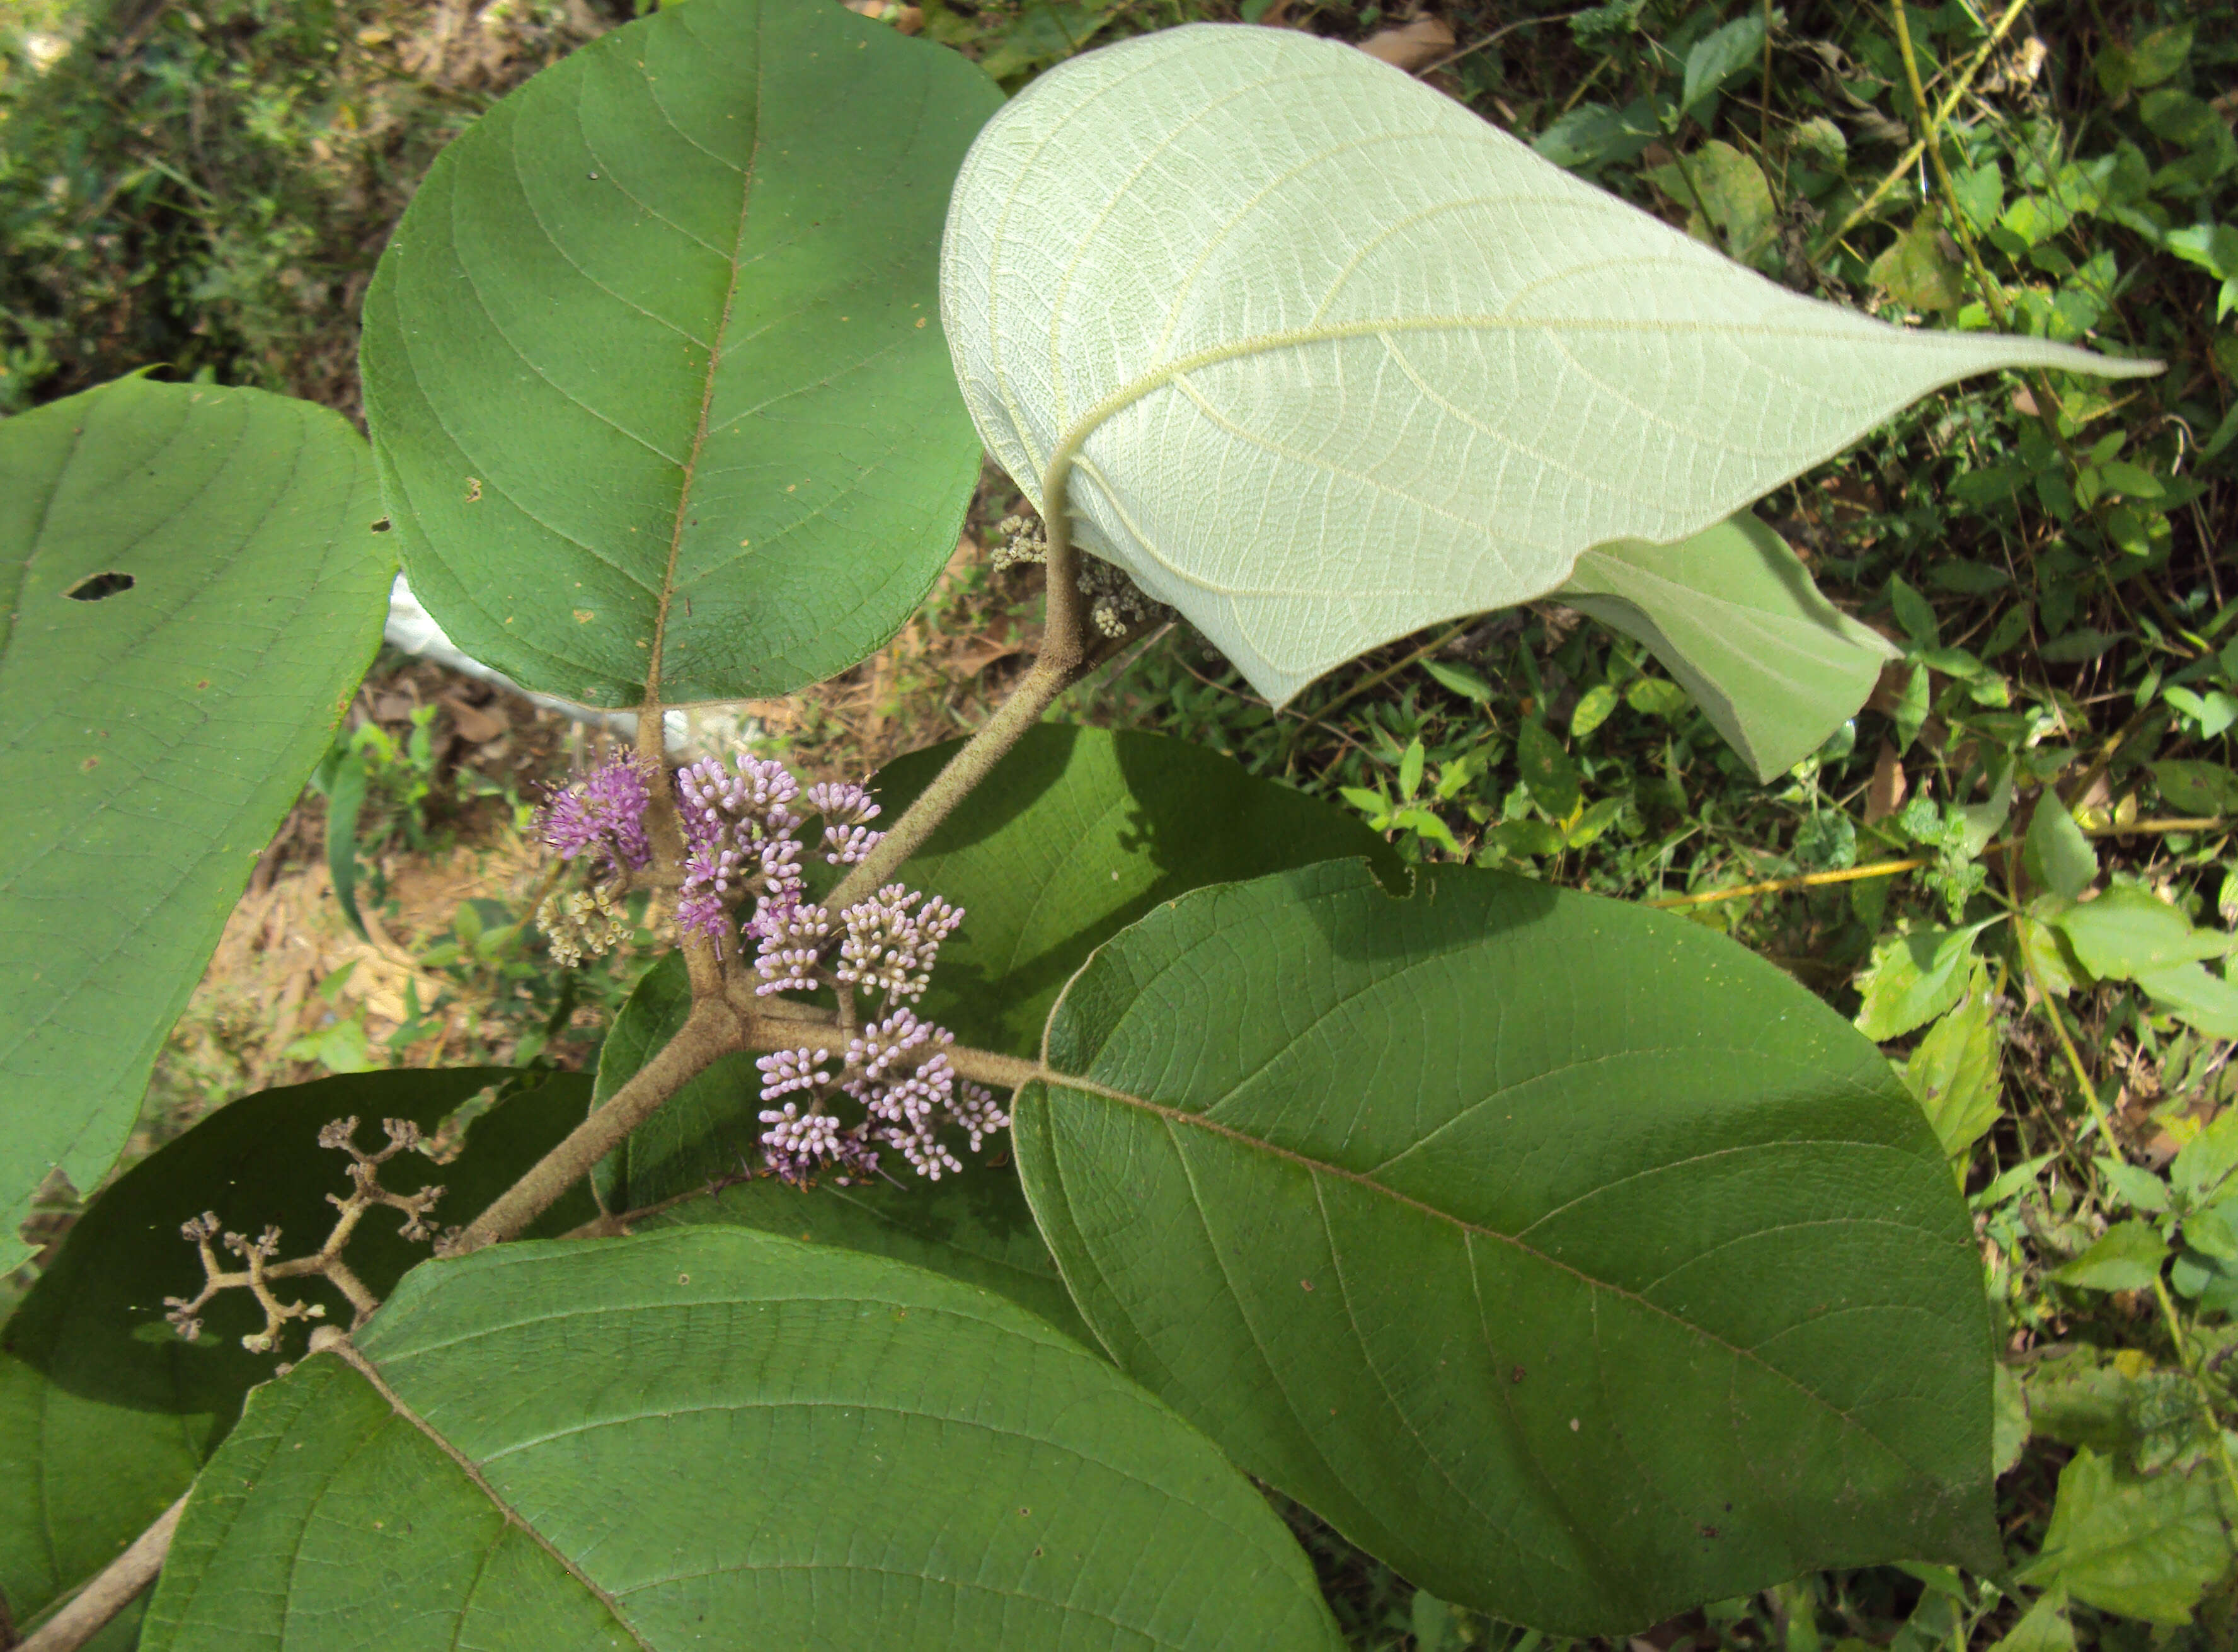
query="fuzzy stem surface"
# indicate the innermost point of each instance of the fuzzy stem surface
(118, 1584)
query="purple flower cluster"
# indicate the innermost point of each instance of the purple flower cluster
(603, 814)
(738, 839)
(898, 1070)
(742, 844)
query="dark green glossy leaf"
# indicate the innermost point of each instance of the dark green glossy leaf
(192, 589)
(1077, 834)
(105, 1413)
(1562, 1254)
(654, 367)
(829, 1450)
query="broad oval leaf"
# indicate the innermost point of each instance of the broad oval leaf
(1567, 1258)
(1321, 358)
(1732, 613)
(645, 1442)
(106, 1415)
(192, 590)
(651, 363)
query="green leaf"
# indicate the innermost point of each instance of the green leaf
(1150, 287)
(1459, 678)
(192, 592)
(2008, 1421)
(832, 1450)
(2056, 854)
(1914, 978)
(1655, 697)
(1913, 613)
(2209, 1158)
(2044, 1627)
(1546, 769)
(2213, 247)
(1719, 181)
(2134, 1184)
(651, 362)
(345, 801)
(1953, 1073)
(1077, 833)
(2144, 1548)
(2127, 932)
(1732, 614)
(2046, 955)
(1593, 133)
(1717, 57)
(972, 1224)
(1410, 769)
(1916, 271)
(2128, 1257)
(2208, 1001)
(1528, 1237)
(1592, 710)
(105, 1413)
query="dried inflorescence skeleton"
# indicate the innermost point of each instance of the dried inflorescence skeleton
(260, 1272)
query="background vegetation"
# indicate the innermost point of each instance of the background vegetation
(202, 188)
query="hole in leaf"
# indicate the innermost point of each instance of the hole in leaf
(94, 586)
(381, 527)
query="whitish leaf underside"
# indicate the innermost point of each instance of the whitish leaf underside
(1319, 357)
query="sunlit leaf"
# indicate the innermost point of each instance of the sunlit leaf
(192, 590)
(1561, 1254)
(1321, 358)
(651, 363)
(830, 1450)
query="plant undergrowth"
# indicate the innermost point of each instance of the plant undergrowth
(204, 189)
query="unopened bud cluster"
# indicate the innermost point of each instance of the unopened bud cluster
(743, 882)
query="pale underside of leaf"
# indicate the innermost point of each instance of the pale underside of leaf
(1319, 357)
(1519, 1321)
(1732, 614)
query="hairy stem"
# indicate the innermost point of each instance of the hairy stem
(118, 1584)
(1067, 655)
(713, 1030)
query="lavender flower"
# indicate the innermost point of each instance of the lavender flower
(892, 942)
(602, 812)
(742, 844)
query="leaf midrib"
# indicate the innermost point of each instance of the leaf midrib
(1313, 1166)
(1070, 444)
(365, 1368)
(749, 174)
